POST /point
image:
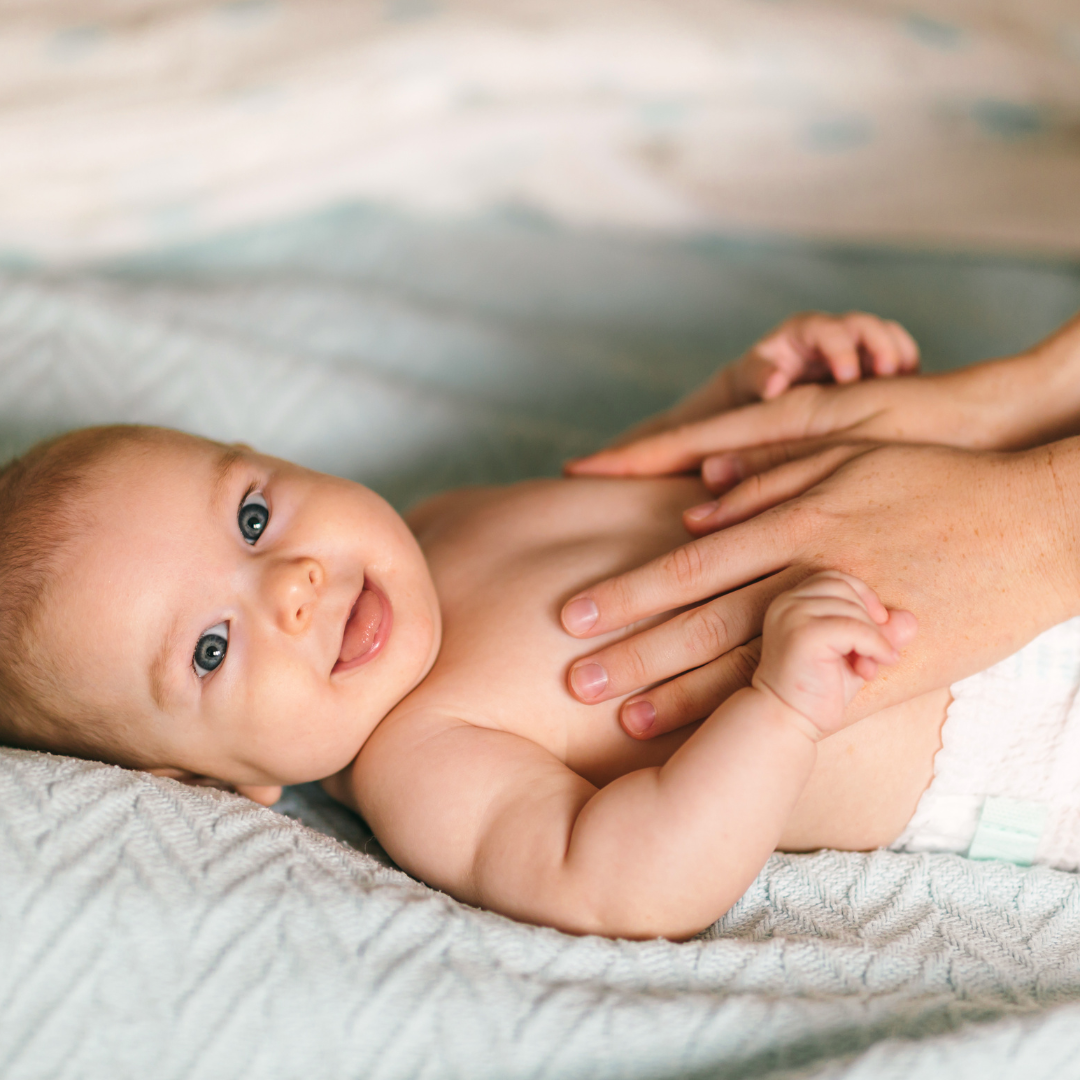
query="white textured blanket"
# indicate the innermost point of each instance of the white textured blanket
(147, 930)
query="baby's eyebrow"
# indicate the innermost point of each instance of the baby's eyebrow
(230, 457)
(159, 666)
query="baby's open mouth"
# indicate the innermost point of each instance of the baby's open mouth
(366, 629)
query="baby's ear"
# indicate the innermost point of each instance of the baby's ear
(266, 796)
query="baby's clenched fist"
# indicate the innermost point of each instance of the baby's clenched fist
(822, 641)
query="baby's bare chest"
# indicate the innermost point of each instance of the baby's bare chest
(503, 572)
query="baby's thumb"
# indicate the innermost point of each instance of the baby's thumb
(901, 628)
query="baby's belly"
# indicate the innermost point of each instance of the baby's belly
(861, 795)
(869, 778)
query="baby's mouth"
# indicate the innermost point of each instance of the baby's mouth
(366, 629)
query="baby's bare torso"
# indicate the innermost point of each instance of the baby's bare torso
(504, 560)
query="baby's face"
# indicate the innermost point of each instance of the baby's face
(244, 619)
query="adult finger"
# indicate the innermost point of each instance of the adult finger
(692, 696)
(688, 640)
(679, 449)
(765, 490)
(721, 472)
(702, 568)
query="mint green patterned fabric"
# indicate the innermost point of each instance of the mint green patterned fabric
(1008, 829)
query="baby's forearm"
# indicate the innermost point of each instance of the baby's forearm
(666, 851)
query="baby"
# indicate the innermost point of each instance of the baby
(214, 615)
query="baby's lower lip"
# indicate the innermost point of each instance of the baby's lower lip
(366, 629)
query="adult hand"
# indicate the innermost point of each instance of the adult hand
(980, 546)
(1016, 402)
(810, 347)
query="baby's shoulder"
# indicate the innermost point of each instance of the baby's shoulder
(449, 504)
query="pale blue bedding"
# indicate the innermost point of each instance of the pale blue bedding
(154, 931)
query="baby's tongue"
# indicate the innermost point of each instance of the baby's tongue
(362, 627)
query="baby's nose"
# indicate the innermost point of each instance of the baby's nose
(293, 586)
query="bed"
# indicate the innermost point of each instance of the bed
(507, 252)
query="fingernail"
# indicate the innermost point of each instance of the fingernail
(699, 513)
(639, 716)
(718, 470)
(775, 385)
(588, 680)
(580, 615)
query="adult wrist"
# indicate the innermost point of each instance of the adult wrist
(1047, 517)
(1037, 392)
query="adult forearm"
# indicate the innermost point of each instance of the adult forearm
(1023, 400)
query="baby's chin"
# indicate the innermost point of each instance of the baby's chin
(323, 750)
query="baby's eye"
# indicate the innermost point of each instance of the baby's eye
(211, 649)
(253, 516)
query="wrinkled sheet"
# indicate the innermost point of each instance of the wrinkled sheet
(151, 930)
(126, 124)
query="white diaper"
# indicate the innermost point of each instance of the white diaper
(1007, 777)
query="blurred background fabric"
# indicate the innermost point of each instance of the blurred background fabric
(125, 125)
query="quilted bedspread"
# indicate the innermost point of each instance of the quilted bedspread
(150, 930)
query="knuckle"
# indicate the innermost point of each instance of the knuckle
(707, 633)
(630, 665)
(685, 565)
(802, 522)
(744, 662)
(680, 702)
(750, 490)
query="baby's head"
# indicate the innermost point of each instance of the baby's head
(202, 611)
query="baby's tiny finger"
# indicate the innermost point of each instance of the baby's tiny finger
(906, 345)
(876, 341)
(865, 595)
(838, 348)
(863, 666)
(855, 636)
(775, 385)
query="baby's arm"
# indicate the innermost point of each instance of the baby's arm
(812, 346)
(499, 822)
